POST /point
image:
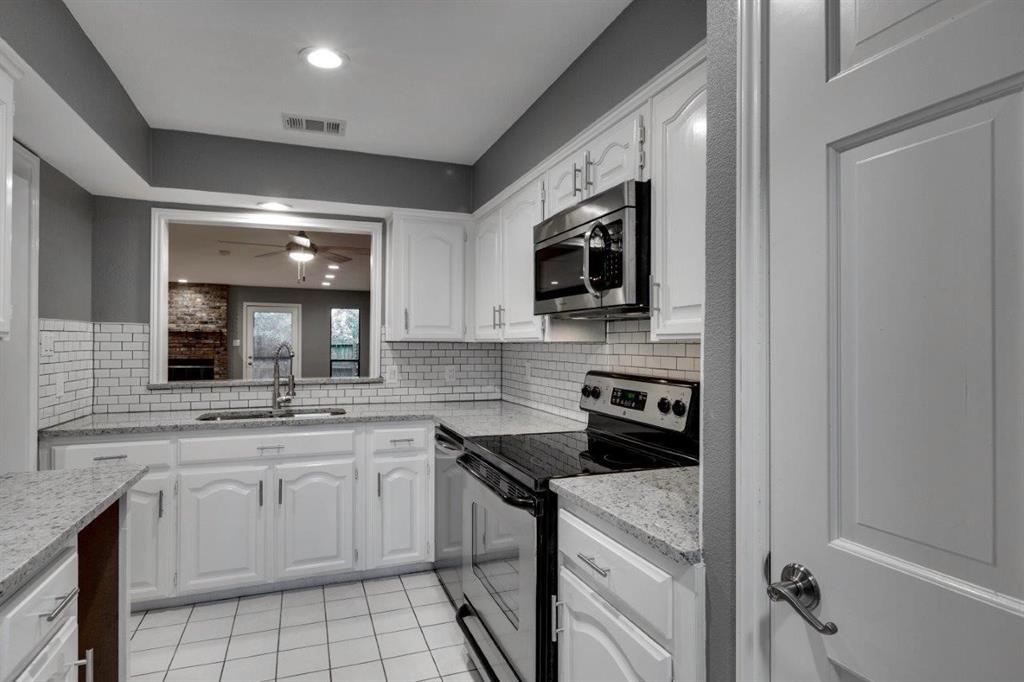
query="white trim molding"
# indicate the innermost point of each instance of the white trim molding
(753, 614)
(26, 165)
(159, 268)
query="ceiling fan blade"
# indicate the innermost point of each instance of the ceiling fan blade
(302, 240)
(226, 241)
(336, 257)
(356, 250)
(272, 253)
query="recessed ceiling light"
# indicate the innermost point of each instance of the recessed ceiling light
(333, 267)
(329, 276)
(182, 281)
(325, 284)
(324, 57)
(274, 206)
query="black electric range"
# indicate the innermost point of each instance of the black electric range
(509, 545)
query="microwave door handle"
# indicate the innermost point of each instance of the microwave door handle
(586, 262)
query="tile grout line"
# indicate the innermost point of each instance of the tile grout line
(231, 633)
(167, 670)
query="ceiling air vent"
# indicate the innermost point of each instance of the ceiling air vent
(309, 124)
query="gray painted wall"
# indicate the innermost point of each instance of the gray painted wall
(719, 384)
(644, 39)
(316, 324)
(229, 164)
(45, 34)
(65, 247)
(120, 246)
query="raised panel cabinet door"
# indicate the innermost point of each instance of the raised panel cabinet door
(6, 199)
(564, 184)
(678, 139)
(223, 516)
(151, 536)
(519, 214)
(487, 277)
(613, 156)
(315, 512)
(399, 510)
(599, 644)
(431, 260)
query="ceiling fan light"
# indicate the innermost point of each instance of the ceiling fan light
(300, 256)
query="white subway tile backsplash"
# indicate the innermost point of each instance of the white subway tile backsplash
(66, 375)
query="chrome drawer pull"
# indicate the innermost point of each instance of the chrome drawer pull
(589, 561)
(107, 458)
(261, 448)
(396, 441)
(64, 601)
(87, 663)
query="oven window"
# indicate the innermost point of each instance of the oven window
(496, 561)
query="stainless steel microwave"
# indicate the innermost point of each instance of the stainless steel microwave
(593, 260)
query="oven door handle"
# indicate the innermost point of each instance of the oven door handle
(524, 503)
(586, 256)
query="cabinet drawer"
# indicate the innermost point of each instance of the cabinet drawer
(618, 572)
(147, 453)
(221, 448)
(404, 439)
(56, 662)
(34, 612)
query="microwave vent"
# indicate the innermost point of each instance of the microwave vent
(312, 124)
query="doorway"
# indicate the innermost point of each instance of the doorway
(267, 326)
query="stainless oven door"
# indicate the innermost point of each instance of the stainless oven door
(499, 572)
(590, 266)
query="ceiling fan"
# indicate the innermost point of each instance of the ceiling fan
(301, 249)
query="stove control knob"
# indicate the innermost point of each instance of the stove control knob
(586, 391)
(679, 408)
(595, 392)
(664, 405)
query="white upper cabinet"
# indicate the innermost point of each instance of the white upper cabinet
(315, 517)
(427, 258)
(613, 157)
(678, 135)
(564, 182)
(6, 184)
(487, 275)
(519, 214)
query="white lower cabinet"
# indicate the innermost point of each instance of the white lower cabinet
(223, 522)
(599, 644)
(398, 529)
(315, 517)
(151, 536)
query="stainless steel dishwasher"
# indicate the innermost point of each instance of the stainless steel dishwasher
(448, 484)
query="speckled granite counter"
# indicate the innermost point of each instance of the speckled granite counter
(477, 418)
(41, 511)
(661, 508)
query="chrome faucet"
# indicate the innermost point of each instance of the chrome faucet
(277, 400)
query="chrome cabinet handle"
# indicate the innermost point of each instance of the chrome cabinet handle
(655, 285)
(576, 172)
(587, 165)
(554, 618)
(396, 441)
(87, 663)
(501, 316)
(799, 589)
(406, 319)
(160, 505)
(494, 317)
(65, 601)
(108, 458)
(261, 493)
(261, 448)
(378, 484)
(590, 561)
(280, 491)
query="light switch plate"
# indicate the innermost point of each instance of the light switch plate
(47, 343)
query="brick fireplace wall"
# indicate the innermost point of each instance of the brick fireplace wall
(197, 317)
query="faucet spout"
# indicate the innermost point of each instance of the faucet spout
(277, 399)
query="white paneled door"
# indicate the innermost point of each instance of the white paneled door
(487, 294)
(398, 527)
(151, 536)
(519, 214)
(897, 336)
(315, 517)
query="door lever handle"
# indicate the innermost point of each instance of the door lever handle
(799, 589)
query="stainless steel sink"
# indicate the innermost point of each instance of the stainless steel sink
(297, 413)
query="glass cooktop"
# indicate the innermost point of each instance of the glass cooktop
(533, 459)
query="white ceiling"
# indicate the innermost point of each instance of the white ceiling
(429, 79)
(195, 255)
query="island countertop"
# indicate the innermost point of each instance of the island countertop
(661, 508)
(41, 511)
(467, 418)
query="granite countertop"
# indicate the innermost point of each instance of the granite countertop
(41, 511)
(469, 418)
(661, 508)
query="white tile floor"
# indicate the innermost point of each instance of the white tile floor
(387, 630)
